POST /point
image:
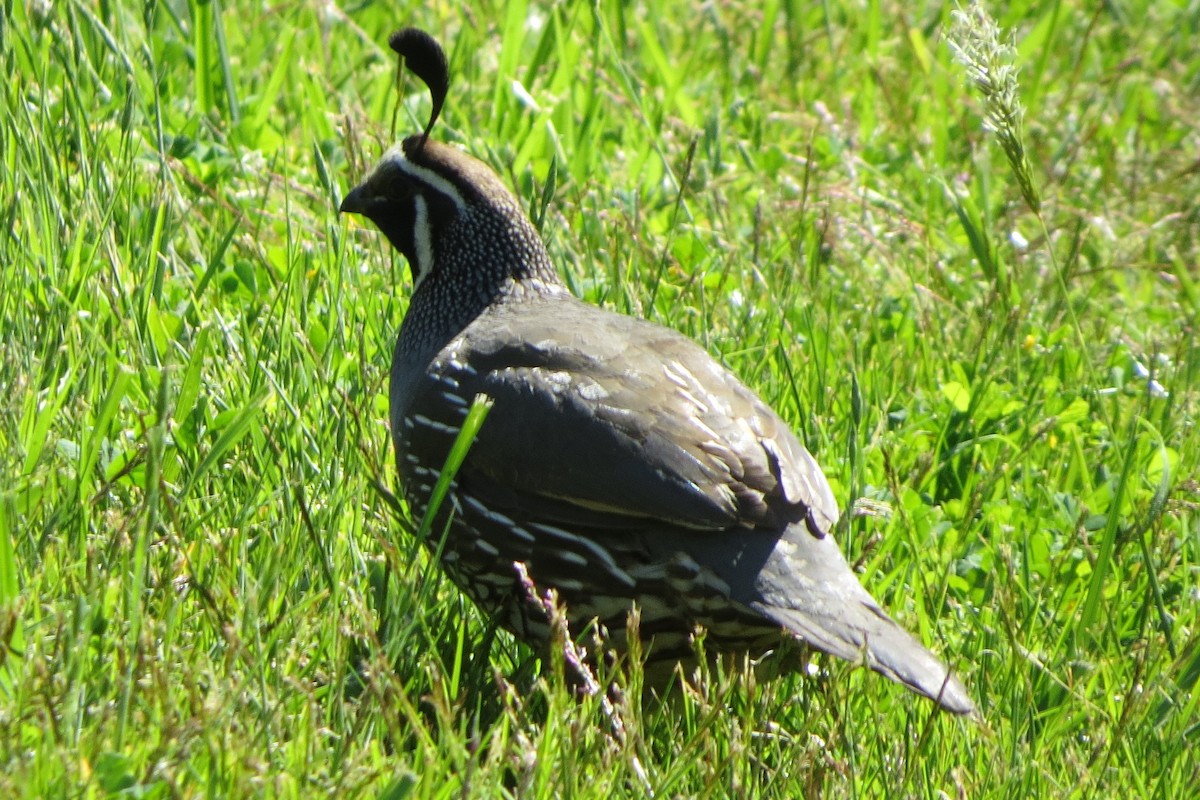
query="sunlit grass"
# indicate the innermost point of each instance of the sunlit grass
(205, 588)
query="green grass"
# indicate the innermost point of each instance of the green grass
(202, 592)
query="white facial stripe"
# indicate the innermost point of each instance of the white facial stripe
(396, 156)
(423, 239)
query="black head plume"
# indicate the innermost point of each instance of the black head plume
(425, 58)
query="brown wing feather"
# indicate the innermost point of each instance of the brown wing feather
(624, 417)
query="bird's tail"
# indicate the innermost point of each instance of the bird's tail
(812, 592)
(864, 633)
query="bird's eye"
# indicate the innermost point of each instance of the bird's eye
(400, 187)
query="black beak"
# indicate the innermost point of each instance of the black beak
(357, 202)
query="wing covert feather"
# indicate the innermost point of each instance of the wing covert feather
(648, 440)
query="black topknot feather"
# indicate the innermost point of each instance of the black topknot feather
(425, 58)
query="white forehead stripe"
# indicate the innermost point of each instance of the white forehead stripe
(423, 239)
(395, 156)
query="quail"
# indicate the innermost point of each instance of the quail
(619, 464)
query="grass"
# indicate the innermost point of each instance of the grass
(202, 592)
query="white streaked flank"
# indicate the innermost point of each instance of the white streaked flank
(569, 585)
(603, 558)
(433, 424)
(522, 534)
(452, 398)
(494, 516)
(484, 546)
(571, 557)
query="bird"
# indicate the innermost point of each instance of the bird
(620, 464)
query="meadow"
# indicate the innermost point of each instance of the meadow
(983, 326)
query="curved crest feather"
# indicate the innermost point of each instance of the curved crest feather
(425, 58)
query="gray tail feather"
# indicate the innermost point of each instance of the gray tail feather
(864, 633)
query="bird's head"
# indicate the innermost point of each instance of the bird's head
(445, 210)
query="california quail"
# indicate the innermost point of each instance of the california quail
(619, 462)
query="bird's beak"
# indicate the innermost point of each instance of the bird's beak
(357, 201)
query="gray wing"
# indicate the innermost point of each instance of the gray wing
(608, 422)
(608, 416)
